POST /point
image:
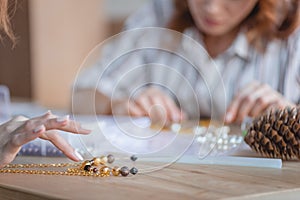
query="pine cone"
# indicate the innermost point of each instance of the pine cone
(276, 134)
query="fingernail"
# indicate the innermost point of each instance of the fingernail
(183, 117)
(77, 154)
(228, 117)
(85, 130)
(62, 119)
(83, 127)
(175, 118)
(38, 129)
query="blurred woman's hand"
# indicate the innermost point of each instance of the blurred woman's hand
(253, 100)
(151, 102)
(21, 130)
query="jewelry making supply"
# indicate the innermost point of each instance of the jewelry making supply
(97, 167)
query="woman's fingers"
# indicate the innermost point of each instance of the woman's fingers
(151, 102)
(254, 100)
(263, 103)
(164, 112)
(64, 124)
(42, 126)
(135, 110)
(144, 103)
(242, 97)
(151, 106)
(12, 141)
(26, 133)
(75, 127)
(19, 119)
(61, 144)
(158, 111)
(20, 131)
(126, 107)
(159, 106)
(175, 113)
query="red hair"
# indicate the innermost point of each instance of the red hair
(268, 20)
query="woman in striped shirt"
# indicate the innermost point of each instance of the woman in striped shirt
(254, 44)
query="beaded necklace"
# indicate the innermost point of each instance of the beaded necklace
(97, 167)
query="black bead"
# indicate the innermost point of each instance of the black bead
(95, 169)
(133, 158)
(134, 171)
(87, 167)
(110, 158)
(124, 171)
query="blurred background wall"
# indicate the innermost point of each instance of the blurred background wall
(54, 38)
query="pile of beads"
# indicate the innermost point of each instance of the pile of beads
(218, 139)
(97, 167)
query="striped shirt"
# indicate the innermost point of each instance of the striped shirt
(202, 86)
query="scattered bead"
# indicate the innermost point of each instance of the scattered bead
(110, 158)
(115, 171)
(84, 164)
(133, 158)
(105, 170)
(95, 170)
(95, 167)
(103, 160)
(87, 167)
(134, 171)
(124, 171)
(97, 161)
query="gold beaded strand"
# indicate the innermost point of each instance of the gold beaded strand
(97, 167)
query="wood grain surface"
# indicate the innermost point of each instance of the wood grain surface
(177, 181)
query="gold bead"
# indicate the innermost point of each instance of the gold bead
(84, 164)
(105, 171)
(97, 161)
(116, 171)
(103, 160)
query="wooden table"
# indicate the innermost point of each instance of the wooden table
(177, 181)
